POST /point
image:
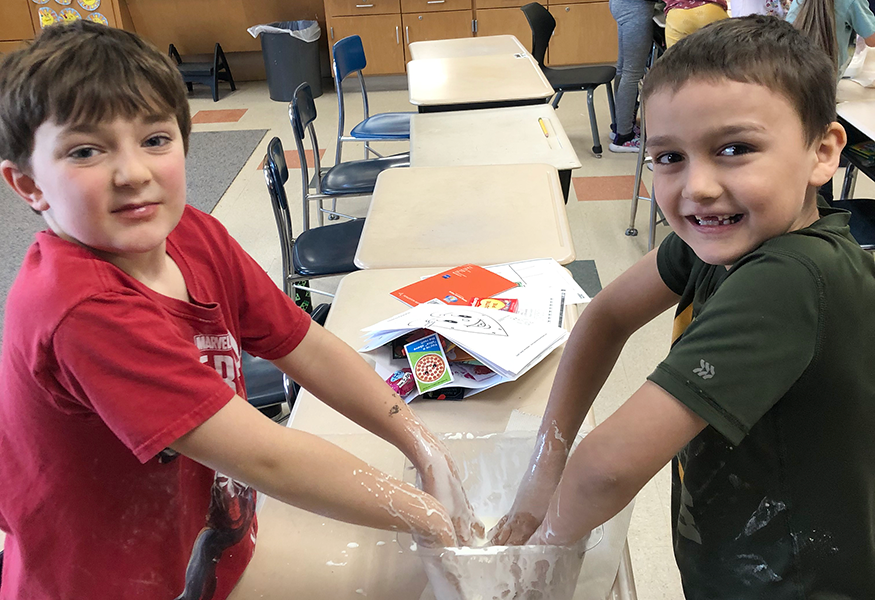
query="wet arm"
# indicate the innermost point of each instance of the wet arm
(306, 471)
(614, 462)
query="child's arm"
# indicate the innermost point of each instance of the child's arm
(614, 462)
(310, 473)
(629, 302)
(335, 373)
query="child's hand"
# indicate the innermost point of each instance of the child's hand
(435, 529)
(440, 478)
(533, 497)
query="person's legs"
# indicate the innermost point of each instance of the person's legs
(635, 32)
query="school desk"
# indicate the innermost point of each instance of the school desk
(470, 46)
(487, 214)
(303, 555)
(469, 82)
(521, 134)
(858, 119)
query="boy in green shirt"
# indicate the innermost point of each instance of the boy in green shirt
(764, 403)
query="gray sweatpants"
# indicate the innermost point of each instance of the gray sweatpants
(635, 32)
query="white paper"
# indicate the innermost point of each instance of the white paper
(507, 343)
(542, 274)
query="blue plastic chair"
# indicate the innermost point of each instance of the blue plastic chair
(349, 57)
(353, 178)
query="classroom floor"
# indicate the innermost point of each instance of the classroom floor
(598, 210)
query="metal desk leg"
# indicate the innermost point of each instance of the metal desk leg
(849, 182)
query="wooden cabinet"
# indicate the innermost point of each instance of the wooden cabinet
(586, 33)
(502, 21)
(437, 26)
(15, 22)
(381, 38)
(352, 8)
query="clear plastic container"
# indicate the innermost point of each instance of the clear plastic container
(491, 468)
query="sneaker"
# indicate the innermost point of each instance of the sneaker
(630, 146)
(636, 130)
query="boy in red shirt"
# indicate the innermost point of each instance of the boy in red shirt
(125, 430)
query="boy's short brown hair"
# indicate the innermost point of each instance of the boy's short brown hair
(756, 49)
(84, 73)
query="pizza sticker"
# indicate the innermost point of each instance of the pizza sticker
(429, 363)
(68, 15)
(89, 4)
(47, 17)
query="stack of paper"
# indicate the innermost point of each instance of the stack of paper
(508, 344)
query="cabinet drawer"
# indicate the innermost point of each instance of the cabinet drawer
(350, 8)
(553, 3)
(418, 6)
(499, 3)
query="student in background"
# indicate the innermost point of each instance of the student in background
(683, 17)
(765, 403)
(830, 24)
(128, 453)
(635, 38)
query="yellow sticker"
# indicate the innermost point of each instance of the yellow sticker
(97, 18)
(68, 15)
(64, 2)
(47, 17)
(89, 4)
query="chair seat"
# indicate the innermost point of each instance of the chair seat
(327, 250)
(196, 69)
(264, 382)
(576, 78)
(384, 126)
(359, 176)
(862, 221)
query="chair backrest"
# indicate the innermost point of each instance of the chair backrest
(542, 25)
(302, 113)
(349, 57)
(276, 174)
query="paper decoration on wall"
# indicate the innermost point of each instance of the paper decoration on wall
(89, 4)
(39, 1)
(47, 17)
(68, 15)
(97, 18)
(64, 2)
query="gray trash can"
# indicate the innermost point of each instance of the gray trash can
(291, 57)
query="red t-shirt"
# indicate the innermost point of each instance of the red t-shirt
(99, 374)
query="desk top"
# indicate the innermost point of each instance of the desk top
(433, 216)
(476, 79)
(859, 113)
(469, 46)
(491, 136)
(303, 555)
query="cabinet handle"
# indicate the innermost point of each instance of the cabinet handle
(397, 39)
(436, 1)
(567, 9)
(407, 34)
(331, 30)
(473, 25)
(364, 6)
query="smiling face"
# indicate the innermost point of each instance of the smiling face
(117, 188)
(732, 168)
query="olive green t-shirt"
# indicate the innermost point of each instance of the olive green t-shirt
(776, 497)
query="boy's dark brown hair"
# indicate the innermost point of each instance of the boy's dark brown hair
(756, 49)
(84, 73)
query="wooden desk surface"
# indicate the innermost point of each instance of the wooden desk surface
(860, 114)
(433, 216)
(303, 555)
(469, 46)
(476, 79)
(497, 136)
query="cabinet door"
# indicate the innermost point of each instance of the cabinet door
(381, 38)
(438, 26)
(585, 34)
(15, 22)
(502, 21)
